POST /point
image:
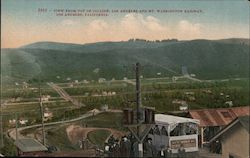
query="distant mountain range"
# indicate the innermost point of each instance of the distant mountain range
(100, 46)
(208, 59)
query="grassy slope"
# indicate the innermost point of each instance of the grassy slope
(105, 120)
(58, 137)
(207, 59)
(18, 65)
(98, 137)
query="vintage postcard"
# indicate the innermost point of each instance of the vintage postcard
(125, 78)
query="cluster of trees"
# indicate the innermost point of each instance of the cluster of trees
(28, 93)
(96, 90)
(189, 85)
(162, 100)
(143, 40)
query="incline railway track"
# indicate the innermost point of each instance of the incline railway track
(65, 95)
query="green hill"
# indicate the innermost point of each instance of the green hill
(99, 46)
(205, 58)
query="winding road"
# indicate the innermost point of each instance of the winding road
(12, 132)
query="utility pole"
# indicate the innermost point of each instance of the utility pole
(41, 110)
(138, 91)
(139, 120)
(127, 101)
(1, 117)
(16, 126)
(138, 106)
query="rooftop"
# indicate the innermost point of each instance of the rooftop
(170, 119)
(242, 120)
(29, 145)
(218, 117)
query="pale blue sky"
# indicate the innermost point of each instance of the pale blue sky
(221, 18)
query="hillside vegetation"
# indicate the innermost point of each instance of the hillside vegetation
(207, 59)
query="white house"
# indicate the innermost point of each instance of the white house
(45, 98)
(104, 107)
(177, 101)
(189, 93)
(174, 79)
(13, 121)
(104, 93)
(101, 80)
(25, 85)
(47, 115)
(183, 107)
(85, 81)
(229, 103)
(23, 121)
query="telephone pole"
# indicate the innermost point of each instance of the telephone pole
(41, 110)
(17, 120)
(140, 119)
(138, 106)
(138, 92)
(1, 117)
(125, 85)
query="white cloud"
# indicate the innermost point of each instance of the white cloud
(154, 24)
(188, 30)
(98, 25)
(132, 23)
(137, 26)
(68, 22)
(78, 30)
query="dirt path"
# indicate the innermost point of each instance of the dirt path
(76, 132)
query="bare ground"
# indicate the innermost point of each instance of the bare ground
(76, 132)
